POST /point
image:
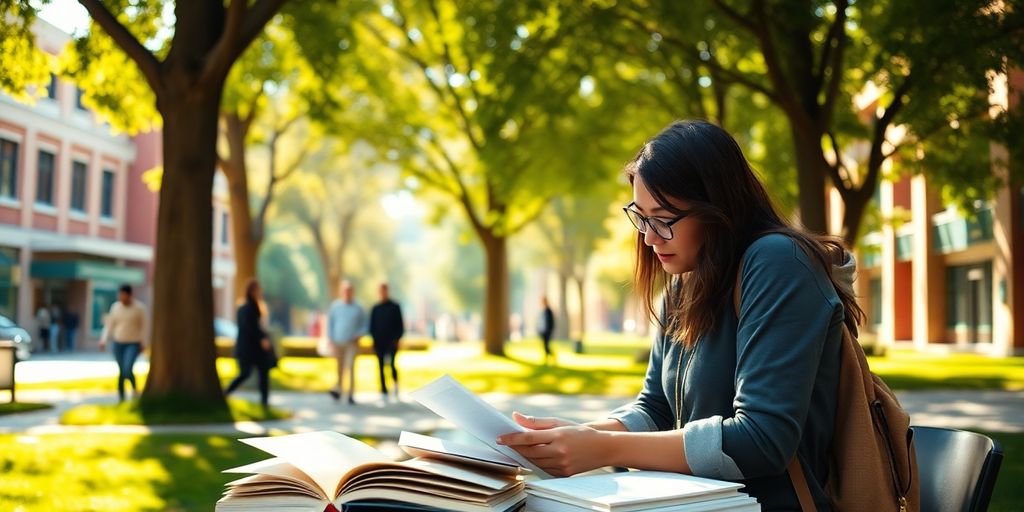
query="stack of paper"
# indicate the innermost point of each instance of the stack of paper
(637, 490)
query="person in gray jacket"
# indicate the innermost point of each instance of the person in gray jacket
(727, 396)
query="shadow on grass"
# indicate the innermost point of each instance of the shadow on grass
(193, 464)
(169, 411)
(16, 407)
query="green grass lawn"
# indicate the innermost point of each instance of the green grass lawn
(16, 407)
(132, 472)
(609, 366)
(129, 413)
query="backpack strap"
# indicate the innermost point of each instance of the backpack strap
(794, 469)
(799, 481)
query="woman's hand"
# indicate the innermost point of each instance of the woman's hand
(557, 446)
(535, 423)
(265, 343)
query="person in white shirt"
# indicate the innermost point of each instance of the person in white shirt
(346, 323)
(127, 327)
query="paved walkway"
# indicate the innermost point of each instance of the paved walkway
(1001, 411)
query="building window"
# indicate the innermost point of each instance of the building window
(224, 228)
(51, 88)
(969, 302)
(876, 303)
(107, 200)
(8, 169)
(78, 170)
(44, 182)
(9, 276)
(78, 98)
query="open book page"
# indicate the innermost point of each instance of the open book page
(621, 491)
(281, 478)
(417, 473)
(453, 402)
(428, 447)
(286, 475)
(499, 503)
(324, 456)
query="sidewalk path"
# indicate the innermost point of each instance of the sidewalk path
(999, 411)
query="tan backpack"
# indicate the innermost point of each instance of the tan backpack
(872, 463)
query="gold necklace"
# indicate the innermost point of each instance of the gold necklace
(679, 384)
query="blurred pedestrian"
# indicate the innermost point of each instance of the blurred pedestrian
(127, 328)
(386, 328)
(546, 328)
(346, 323)
(252, 346)
(55, 318)
(71, 322)
(43, 324)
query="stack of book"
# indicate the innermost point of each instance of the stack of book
(325, 471)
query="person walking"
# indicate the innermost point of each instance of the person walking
(546, 328)
(71, 322)
(252, 347)
(43, 323)
(346, 323)
(127, 328)
(386, 328)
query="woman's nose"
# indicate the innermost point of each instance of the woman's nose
(651, 238)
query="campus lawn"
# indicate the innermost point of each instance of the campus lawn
(16, 407)
(134, 472)
(610, 365)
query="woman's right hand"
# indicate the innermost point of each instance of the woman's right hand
(265, 344)
(535, 423)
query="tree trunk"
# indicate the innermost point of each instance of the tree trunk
(562, 328)
(811, 170)
(853, 216)
(182, 362)
(496, 301)
(245, 245)
(580, 278)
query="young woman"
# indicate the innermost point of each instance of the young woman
(726, 396)
(252, 347)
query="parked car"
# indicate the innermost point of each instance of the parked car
(9, 331)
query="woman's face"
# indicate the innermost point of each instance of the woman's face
(678, 255)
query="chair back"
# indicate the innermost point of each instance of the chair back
(957, 469)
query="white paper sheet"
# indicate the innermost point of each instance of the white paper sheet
(452, 401)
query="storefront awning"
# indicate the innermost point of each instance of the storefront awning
(86, 270)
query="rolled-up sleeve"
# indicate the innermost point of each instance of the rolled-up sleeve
(783, 324)
(650, 411)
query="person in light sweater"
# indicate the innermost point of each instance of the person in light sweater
(346, 323)
(127, 327)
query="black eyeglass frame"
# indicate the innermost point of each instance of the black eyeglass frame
(646, 222)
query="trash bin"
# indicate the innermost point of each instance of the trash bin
(8, 356)
(578, 346)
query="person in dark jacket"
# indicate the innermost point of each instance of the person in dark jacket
(546, 328)
(252, 348)
(386, 329)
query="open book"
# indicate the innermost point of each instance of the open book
(325, 470)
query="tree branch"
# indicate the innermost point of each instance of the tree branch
(833, 61)
(244, 22)
(735, 16)
(843, 185)
(143, 58)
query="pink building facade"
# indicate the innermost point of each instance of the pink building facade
(76, 218)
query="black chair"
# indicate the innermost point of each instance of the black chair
(957, 469)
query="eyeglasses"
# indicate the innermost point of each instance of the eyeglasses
(661, 227)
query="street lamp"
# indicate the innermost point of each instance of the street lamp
(8, 356)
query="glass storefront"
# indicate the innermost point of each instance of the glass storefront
(10, 278)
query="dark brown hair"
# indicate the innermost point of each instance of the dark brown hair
(700, 163)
